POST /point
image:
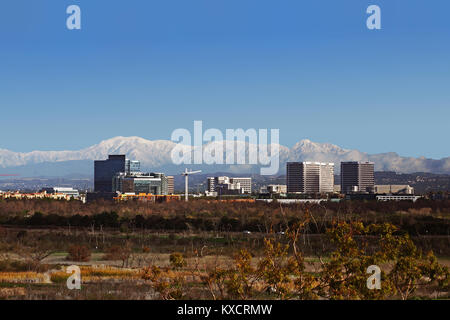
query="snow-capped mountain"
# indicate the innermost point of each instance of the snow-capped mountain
(306, 150)
(156, 155)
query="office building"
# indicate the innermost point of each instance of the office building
(105, 170)
(309, 177)
(70, 192)
(326, 178)
(227, 185)
(229, 189)
(245, 183)
(406, 197)
(43, 194)
(132, 166)
(170, 185)
(294, 177)
(136, 183)
(357, 177)
(276, 188)
(394, 189)
(210, 184)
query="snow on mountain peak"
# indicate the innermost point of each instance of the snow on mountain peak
(157, 154)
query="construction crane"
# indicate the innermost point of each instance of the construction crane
(186, 174)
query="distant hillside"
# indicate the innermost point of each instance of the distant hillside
(421, 181)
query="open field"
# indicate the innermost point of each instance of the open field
(106, 277)
(206, 254)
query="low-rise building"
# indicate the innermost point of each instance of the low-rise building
(394, 189)
(245, 183)
(277, 188)
(226, 185)
(37, 195)
(62, 190)
(397, 198)
(229, 189)
(147, 197)
(136, 183)
(291, 201)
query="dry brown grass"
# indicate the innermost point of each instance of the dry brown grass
(8, 293)
(23, 277)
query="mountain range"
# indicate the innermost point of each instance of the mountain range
(156, 156)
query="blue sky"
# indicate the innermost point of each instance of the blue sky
(144, 68)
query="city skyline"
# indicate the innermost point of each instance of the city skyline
(224, 155)
(311, 70)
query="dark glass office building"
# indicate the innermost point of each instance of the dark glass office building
(357, 177)
(105, 170)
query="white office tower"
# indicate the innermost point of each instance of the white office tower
(245, 183)
(326, 177)
(310, 177)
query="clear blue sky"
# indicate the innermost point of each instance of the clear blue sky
(145, 67)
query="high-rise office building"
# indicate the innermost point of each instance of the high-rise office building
(309, 177)
(357, 177)
(211, 184)
(326, 178)
(294, 177)
(105, 170)
(170, 185)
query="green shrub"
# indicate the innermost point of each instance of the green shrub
(177, 260)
